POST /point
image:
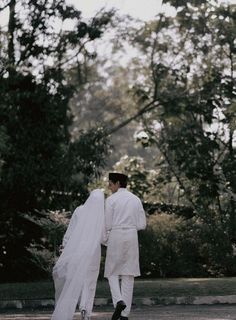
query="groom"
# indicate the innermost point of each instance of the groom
(124, 216)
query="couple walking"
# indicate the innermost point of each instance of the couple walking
(92, 224)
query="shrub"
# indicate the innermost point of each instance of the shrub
(172, 246)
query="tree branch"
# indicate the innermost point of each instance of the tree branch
(174, 172)
(76, 54)
(151, 105)
(4, 7)
(11, 30)
(152, 65)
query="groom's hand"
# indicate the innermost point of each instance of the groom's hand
(61, 248)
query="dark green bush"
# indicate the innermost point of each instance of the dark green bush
(172, 246)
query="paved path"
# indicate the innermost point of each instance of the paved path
(212, 312)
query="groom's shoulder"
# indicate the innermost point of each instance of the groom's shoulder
(125, 193)
(116, 195)
(130, 195)
(133, 195)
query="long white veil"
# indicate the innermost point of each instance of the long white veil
(69, 272)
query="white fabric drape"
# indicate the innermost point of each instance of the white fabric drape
(83, 243)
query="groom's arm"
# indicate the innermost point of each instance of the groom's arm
(108, 220)
(108, 214)
(141, 217)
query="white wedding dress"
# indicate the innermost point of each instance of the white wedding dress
(76, 271)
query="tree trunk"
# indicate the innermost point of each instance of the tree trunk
(11, 30)
(232, 199)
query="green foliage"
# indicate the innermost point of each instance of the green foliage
(139, 181)
(53, 225)
(103, 101)
(16, 260)
(87, 155)
(36, 130)
(189, 73)
(152, 186)
(186, 66)
(164, 250)
(32, 244)
(37, 154)
(174, 247)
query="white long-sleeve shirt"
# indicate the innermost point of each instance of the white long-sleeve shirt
(124, 215)
(124, 209)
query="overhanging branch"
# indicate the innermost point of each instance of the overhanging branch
(4, 7)
(151, 105)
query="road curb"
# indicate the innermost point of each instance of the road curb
(184, 300)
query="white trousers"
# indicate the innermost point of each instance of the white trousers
(88, 292)
(122, 289)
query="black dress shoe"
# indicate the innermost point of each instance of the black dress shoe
(123, 318)
(120, 306)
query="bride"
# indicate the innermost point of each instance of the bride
(76, 271)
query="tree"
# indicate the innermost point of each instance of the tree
(185, 91)
(190, 75)
(106, 99)
(37, 154)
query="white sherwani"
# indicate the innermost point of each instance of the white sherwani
(124, 216)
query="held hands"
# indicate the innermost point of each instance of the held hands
(61, 247)
(105, 237)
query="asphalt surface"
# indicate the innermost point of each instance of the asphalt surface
(180, 312)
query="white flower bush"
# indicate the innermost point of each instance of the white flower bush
(142, 138)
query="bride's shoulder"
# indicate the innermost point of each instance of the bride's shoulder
(78, 210)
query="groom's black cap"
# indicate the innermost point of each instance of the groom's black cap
(115, 176)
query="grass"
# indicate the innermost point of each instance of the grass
(186, 287)
(143, 288)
